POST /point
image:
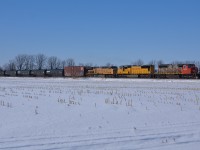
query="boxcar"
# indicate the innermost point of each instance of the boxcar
(74, 71)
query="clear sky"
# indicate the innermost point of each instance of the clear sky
(101, 31)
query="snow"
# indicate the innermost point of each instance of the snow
(95, 113)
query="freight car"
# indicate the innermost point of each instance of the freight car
(37, 73)
(10, 73)
(74, 71)
(2, 72)
(54, 73)
(23, 73)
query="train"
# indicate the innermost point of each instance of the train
(188, 71)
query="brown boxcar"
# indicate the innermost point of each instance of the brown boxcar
(74, 71)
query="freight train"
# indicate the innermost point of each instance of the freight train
(126, 71)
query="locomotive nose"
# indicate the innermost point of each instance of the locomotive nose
(196, 69)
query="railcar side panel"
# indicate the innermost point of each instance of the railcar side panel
(74, 71)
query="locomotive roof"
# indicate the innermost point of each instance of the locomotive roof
(179, 65)
(108, 67)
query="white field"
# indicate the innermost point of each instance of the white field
(103, 114)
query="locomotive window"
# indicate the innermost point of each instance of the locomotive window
(190, 66)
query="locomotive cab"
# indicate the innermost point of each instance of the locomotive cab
(189, 69)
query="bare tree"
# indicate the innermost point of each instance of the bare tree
(10, 65)
(89, 64)
(63, 63)
(20, 61)
(139, 62)
(52, 62)
(59, 64)
(160, 62)
(81, 64)
(70, 62)
(32, 59)
(40, 61)
(29, 62)
(197, 64)
(1, 68)
(189, 62)
(176, 62)
(152, 62)
(108, 64)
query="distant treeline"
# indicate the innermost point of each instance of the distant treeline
(41, 61)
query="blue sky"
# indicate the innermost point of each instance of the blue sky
(101, 31)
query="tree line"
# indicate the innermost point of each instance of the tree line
(40, 61)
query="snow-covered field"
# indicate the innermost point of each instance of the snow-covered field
(104, 114)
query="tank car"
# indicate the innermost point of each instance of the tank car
(2, 72)
(54, 72)
(23, 73)
(10, 73)
(37, 73)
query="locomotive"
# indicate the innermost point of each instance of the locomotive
(126, 71)
(177, 71)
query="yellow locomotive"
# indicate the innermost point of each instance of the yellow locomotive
(103, 72)
(136, 71)
(123, 71)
